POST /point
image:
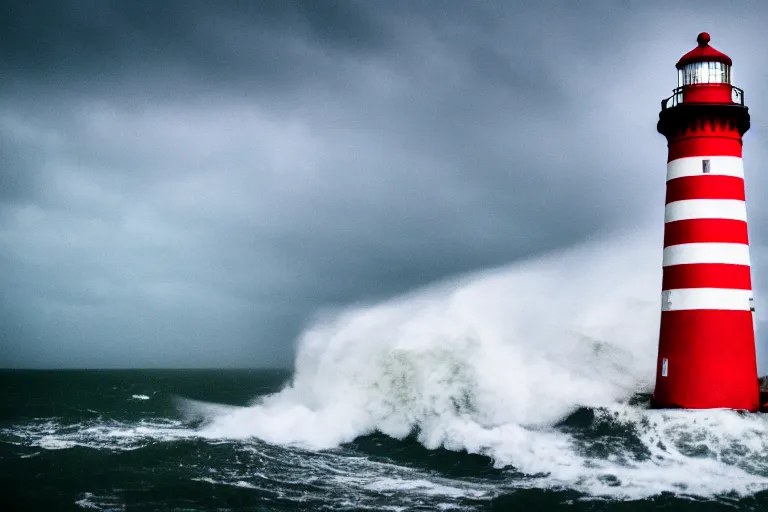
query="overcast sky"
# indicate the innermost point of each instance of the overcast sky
(186, 183)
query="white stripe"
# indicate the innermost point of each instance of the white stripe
(706, 298)
(692, 166)
(682, 254)
(734, 209)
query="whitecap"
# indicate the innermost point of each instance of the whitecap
(490, 363)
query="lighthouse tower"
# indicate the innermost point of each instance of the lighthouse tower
(706, 343)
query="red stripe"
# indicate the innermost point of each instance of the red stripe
(706, 275)
(711, 360)
(705, 146)
(705, 186)
(693, 231)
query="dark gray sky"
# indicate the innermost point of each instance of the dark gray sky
(186, 183)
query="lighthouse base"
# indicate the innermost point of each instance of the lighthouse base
(762, 381)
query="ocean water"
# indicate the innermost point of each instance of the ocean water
(519, 388)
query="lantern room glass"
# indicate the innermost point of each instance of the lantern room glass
(704, 73)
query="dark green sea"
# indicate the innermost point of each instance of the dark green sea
(167, 440)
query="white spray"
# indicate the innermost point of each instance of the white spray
(489, 363)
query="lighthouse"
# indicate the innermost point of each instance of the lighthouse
(706, 353)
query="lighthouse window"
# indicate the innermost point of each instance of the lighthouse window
(705, 166)
(705, 73)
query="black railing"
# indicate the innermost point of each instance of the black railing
(737, 97)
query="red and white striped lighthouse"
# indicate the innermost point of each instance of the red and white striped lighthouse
(706, 343)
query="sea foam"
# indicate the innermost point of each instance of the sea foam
(491, 362)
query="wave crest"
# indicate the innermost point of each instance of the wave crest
(519, 346)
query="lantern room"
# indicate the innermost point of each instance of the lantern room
(704, 76)
(704, 73)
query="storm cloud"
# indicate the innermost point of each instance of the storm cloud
(187, 183)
